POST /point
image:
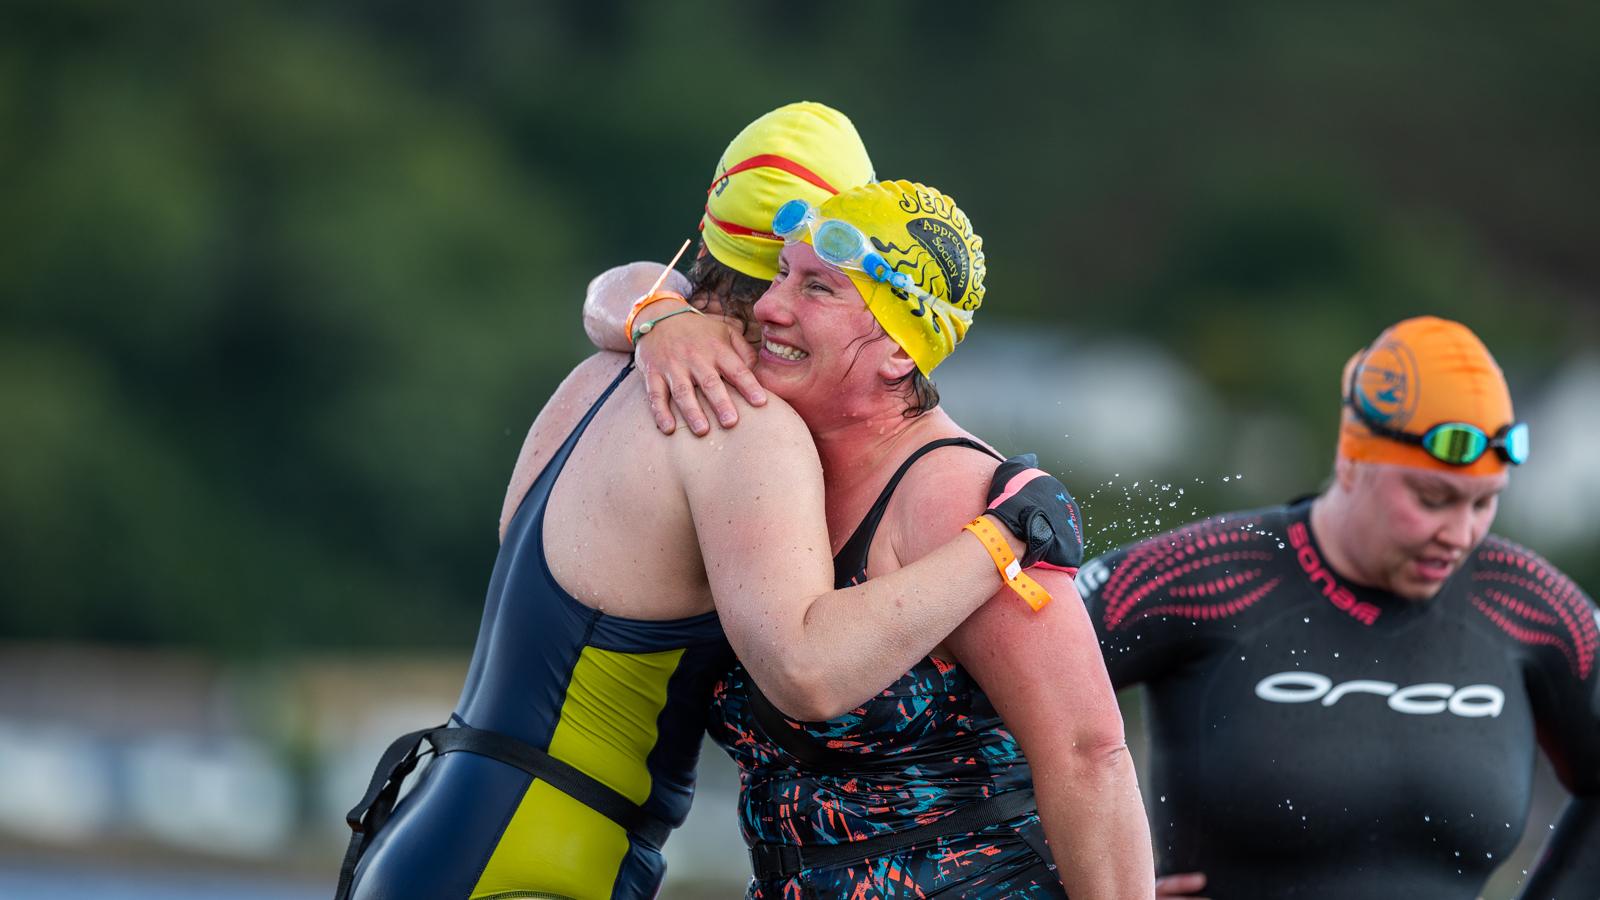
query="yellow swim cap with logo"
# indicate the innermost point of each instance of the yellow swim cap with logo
(920, 232)
(804, 150)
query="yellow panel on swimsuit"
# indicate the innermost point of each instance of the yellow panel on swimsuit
(607, 728)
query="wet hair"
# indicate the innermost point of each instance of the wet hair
(920, 393)
(711, 279)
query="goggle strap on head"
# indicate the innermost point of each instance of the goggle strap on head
(1454, 443)
(864, 259)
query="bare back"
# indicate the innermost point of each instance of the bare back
(618, 535)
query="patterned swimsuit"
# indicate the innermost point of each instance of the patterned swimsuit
(924, 747)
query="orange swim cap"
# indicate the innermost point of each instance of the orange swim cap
(1419, 373)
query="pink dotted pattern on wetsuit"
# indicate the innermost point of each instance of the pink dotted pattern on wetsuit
(1530, 600)
(1233, 549)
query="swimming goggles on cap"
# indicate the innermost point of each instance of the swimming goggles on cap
(1455, 443)
(843, 246)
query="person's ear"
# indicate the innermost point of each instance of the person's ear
(897, 365)
(1345, 473)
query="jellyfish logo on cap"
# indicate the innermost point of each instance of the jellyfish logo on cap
(1386, 384)
(922, 234)
(944, 233)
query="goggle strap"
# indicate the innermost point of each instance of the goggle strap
(1499, 442)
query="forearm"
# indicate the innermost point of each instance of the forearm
(851, 643)
(1569, 865)
(612, 294)
(1094, 818)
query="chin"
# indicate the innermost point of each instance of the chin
(1416, 590)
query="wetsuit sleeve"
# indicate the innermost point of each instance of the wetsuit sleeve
(1161, 604)
(1128, 604)
(1560, 626)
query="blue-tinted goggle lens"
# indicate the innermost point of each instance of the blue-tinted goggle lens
(839, 243)
(790, 217)
(1516, 444)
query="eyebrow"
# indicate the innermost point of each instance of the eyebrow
(1450, 491)
(828, 273)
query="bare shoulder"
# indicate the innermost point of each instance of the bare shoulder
(772, 435)
(573, 398)
(944, 491)
(567, 405)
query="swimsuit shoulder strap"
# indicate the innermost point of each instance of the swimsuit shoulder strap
(560, 458)
(850, 563)
(539, 491)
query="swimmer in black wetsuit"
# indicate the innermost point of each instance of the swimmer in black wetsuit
(1345, 694)
(626, 557)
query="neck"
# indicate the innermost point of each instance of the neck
(1330, 526)
(859, 453)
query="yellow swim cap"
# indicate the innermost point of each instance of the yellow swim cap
(1419, 373)
(922, 233)
(804, 150)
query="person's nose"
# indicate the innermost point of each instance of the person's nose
(1456, 532)
(773, 308)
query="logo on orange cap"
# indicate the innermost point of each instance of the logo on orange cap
(1419, 374)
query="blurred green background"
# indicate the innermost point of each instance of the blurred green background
(282, 285)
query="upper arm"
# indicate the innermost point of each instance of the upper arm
(1167, 600)
(1558, 626)
(1042, 670)
(1117, 624)
(755, 494)
(1566, 699)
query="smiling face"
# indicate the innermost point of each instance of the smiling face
(1410, 529)
(822, 350)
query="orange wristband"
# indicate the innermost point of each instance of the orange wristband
(641, 303)
(1006, 561)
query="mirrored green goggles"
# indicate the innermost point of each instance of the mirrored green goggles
(1455, 443)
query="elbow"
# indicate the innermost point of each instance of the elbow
(1101, 753)
(807, 697)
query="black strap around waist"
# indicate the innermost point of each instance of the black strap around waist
(367, 817)
(776, 862)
